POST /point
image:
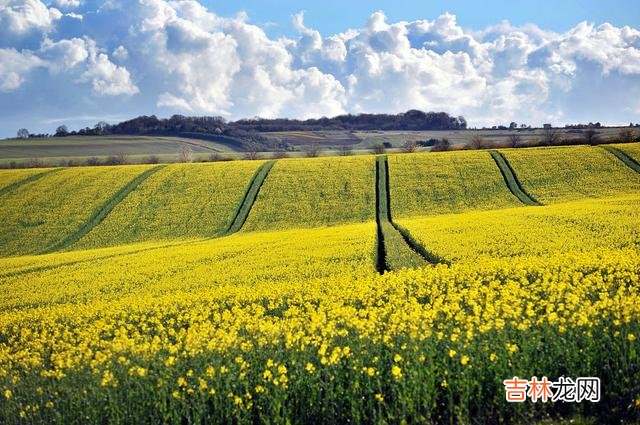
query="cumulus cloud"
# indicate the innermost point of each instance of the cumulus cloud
(14, 67)
(18, 17)
(165, 57)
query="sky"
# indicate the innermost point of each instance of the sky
(77, 62)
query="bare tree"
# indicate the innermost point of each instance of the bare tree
(152, 159)
(252, 151)
(591, 137)
(514, 140)
(441, 145)
(312, 150)
(378, 149)
(186, 154)
(122, 158)
(409, 146)
(551, 136)
(477, 142)
(23, 133)
(280, 155)
(345, 150)
(626, 135)
(215, 157)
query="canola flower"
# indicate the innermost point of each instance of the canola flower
(631, 149)
(208, 340)
(9, 177)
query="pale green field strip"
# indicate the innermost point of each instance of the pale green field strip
(180, 201)
(560, 174)
(622, 156)
(40, 213)
(13, 179)
(446, 182)
(102, 211)
(511, 179)
(396, 249)
(250, 197)
(573, 227)
(315, 192)
(197, 268)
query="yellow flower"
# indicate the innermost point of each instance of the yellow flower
(379, 397)
(397, 358)
(170, 361)
(464, 360)
(310, 368)
(396, 372)
(493, 357)
(8, 394)
(176, 394)
(182, 382)
(631, 337)
(452, 352)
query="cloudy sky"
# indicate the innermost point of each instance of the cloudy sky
(77, 62)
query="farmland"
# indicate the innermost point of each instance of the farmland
(355, 289)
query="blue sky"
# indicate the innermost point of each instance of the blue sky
(332, 16)
(77, 62)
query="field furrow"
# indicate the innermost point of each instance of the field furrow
(13, 179)
(511, 180)
(560, 174)
(626, 159)
(39, 214)
(181, 201)
(250, 197)
(315, 192)
(444, 182)
(394, 252)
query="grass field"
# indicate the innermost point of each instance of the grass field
(292, 319)
(315, 192)
(179, 201)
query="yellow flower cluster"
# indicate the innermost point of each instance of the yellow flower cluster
(579, 226)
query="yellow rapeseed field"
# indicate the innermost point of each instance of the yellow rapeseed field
(179, 201)
(8, 177)
(290, 320)
(566, 173)
(443, 182)
(577, 226)
(631, 149)
(315, 192)
(39, 214)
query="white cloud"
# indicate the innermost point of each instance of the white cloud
(67, 4)
(180, 57)
(14, 66)
(18, 17)
(108, 79)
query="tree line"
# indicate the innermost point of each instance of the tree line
(249, 129)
